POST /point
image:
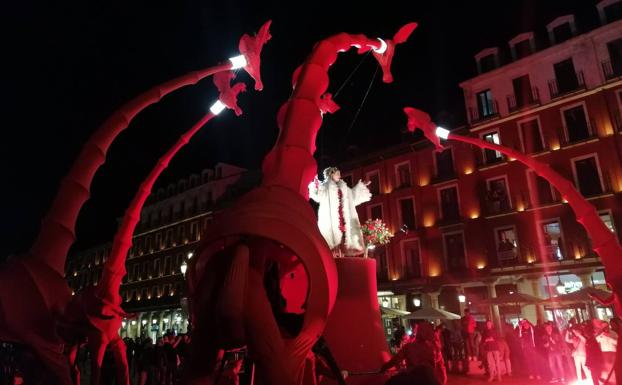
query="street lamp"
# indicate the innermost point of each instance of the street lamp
(183, 268)
(417, 302)
(461, 298)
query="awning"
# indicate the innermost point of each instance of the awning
(515, 298)
(393, 312)
(430, 313)
(581, 295)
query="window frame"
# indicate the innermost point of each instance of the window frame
(403, 257)
(565, 124)
(453, 162)
(398, 178)
(464, 247)
(521, 136)
(438, 199)
(507, 187)
(369, 210)
(482, 136)
(399, 210)
(541, 224)
(367, 177)
(576, 176)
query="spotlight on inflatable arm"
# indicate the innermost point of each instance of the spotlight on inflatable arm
(217, 107)
(238, 62)
(441, 132)
(382, 48)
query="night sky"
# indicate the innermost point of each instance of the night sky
(68, 66)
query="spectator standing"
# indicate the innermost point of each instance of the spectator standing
(468, 328)
(608, 341)
(490, 349)
(527, 337)
(575, 337)
(554, 346)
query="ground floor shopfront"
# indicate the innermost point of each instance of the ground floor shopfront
(544, 281)
(154, 324)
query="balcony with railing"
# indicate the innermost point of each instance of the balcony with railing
(517, 102)
(577, 133)
(496, 203)
(478, 115)
(559, 87)
(507, 257)
(442, 177)
(611, 70)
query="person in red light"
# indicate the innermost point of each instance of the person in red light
(468, 328)
(423, 352)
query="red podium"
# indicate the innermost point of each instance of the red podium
(354, 331)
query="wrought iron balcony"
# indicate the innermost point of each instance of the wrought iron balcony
(532, 97)
(507, 257)
(559, 88)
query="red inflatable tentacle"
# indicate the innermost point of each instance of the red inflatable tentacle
(114, 270)
(302, 117)
(57, 230)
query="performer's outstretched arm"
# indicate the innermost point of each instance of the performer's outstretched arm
(316, 189)
(360, 193)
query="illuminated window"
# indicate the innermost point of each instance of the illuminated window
(552, 237)
(485, 104)
(492, 156)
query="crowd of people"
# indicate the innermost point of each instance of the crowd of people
(578, 351)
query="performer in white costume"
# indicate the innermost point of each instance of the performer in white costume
(337, 217)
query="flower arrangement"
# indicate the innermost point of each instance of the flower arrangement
(375, 232)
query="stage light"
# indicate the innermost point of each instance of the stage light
(217, 107)
(383, 47)
(238, 62)
(442, 133)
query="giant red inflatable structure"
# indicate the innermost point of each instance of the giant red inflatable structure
(604, 242)
(274, 224)
(98, 309)
(40, 317)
